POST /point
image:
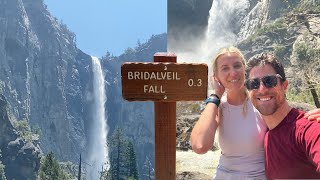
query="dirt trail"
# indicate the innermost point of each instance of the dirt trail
(205, 164)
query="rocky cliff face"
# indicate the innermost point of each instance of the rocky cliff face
(277, 23)
(44, 76)
(47, 81)
(294, 37)
(20, 157)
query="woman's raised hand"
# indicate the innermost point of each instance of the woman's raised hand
(218, 88)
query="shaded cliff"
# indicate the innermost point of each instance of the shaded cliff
(20, 156)
(47, 81)
(44, 76)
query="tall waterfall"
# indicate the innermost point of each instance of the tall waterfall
(98, 150)
(223, 25)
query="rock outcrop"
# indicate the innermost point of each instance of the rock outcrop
(294, 37)
(20, 157)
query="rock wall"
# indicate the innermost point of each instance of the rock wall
(47, 81)
(44, 75)
(20, 157)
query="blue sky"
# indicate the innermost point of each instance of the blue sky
(110, 25)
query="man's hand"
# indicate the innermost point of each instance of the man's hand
(313, 115)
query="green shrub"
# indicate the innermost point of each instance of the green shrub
(300, 96)
(23, 129)
(306, 51)
(279, 49)
(51, 170)
(272, 27)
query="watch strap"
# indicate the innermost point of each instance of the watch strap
(213, 98)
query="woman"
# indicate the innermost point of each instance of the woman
(241, 128)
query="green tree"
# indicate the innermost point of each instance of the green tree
(23, 129)
(50, 169)
(131, 162)
(123, 164)
(118, 149)
(148, 169)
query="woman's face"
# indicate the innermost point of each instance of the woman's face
(230, 71)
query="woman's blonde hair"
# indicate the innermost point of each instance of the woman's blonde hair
(229, 50)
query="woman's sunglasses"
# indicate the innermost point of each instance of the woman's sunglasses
(268, 81)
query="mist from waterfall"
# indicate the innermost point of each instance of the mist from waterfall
(98, 149)
(223, 24)
(224, 19)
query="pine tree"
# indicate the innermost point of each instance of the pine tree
(50, 169)
(118, 147)
(148, 169)
(131, 162)
(123, 164)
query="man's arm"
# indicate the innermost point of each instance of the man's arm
(310, 140)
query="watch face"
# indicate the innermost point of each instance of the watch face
(214, 96)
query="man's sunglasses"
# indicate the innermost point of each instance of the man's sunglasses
(268, 81)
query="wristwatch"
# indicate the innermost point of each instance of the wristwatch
(213, 98)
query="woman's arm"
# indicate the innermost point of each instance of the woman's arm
(202, 135)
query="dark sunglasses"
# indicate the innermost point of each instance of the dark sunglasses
(268, 81)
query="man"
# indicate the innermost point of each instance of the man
(292, 143)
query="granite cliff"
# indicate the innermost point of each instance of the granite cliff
(44, 75)
(46, 80)
(20, 156)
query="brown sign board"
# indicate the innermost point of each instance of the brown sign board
(164, 82)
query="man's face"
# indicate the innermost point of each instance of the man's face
(267, 100)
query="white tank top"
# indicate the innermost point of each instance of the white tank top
(241, 140)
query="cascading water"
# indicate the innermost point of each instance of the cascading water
(98, 149)
(223, 25)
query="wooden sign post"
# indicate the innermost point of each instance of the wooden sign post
(164, 81)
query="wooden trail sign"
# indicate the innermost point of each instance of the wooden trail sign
(165, 82)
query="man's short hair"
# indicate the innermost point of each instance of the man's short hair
(264, 59)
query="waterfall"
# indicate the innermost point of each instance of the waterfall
(98, 150)
(224, 23)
